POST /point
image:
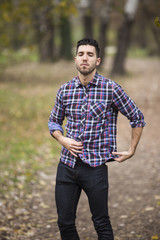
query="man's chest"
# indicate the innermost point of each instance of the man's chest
(91, 103)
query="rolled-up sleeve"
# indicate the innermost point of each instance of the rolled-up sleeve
(58, 113)
(127, 107)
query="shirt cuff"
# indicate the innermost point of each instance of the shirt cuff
(137, 124)
(54, 126)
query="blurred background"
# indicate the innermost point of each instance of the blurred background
(37, 48)
(47, 31)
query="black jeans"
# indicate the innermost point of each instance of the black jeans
(69, 183)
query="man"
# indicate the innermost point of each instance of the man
(90, 102)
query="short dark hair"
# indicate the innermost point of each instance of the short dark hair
(89, 41)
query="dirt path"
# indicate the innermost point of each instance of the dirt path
(134, 199)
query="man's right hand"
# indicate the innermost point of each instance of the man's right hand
(72, 145)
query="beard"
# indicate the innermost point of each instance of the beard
(85, 70)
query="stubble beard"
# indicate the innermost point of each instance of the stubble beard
(84, 71)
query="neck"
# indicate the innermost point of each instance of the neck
(85, 79)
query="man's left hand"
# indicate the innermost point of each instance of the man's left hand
(123, 156)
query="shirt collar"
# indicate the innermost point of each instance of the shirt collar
(94, 80)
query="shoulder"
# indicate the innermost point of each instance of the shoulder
(68, 85)
(107, 81)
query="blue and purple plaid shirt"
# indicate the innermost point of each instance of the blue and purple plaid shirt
(91, 114)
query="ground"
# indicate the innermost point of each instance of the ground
(134, 192)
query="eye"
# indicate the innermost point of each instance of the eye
(90, 54)
(80, 54)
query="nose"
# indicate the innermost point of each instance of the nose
(85, 57)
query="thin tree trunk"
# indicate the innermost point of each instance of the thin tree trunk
(122, 47)
(124, 37)
(104, 22)
(150, 14)
(46, 43)
(66, 43)
(86, 7)
(15, 39)
(44, 32)
(103, 40)
(156, 34)
(88, 25)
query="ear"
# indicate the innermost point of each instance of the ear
(74, 59)
(98, 61)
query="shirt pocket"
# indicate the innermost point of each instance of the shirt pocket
(98, 110)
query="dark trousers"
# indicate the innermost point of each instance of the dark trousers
(69, 183)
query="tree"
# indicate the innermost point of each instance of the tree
(124, 36)
(65, 35)
(65, 8)
(151, 11)
(86, 8)
(104, 18)
(42, 21)
(13, 25)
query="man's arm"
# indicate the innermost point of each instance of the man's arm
(135, 137)
(72, 145)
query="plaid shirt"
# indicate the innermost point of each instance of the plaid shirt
(91, 114)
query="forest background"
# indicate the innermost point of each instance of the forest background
(37, 47)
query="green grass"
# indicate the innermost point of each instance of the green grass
(25, 104)
(135, 52)
(8, 56)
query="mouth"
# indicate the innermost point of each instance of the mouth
(84, 65)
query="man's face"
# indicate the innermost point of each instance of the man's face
(86, 59)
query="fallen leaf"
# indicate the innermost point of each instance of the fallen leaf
(157, 197)
(43, 205)
(20, 211)
(52, 220)
(130, 200)
(123, 216)
(30, 233)
(48, 226)
(10, 217)
(138, 236)
(43, 183)
(20, 186)
(149, 208)
(4, 229)
(155, 237)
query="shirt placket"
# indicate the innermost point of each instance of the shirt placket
(84, 112)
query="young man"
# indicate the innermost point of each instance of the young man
(90, 102)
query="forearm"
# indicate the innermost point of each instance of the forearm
(135, 137)
(73, 146)
(57, 135)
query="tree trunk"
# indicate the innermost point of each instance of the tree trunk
(103, 40)
(65, 34)
(104, 22)
(156, 33)
(16, 39)
(86, 7)
(44, 32)
(88, 25)
(124, 37)
(46, 43)
(122, 47)
(150, 14)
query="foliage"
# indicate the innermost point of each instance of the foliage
(17, 19)
(157, 21)
(66, 8)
